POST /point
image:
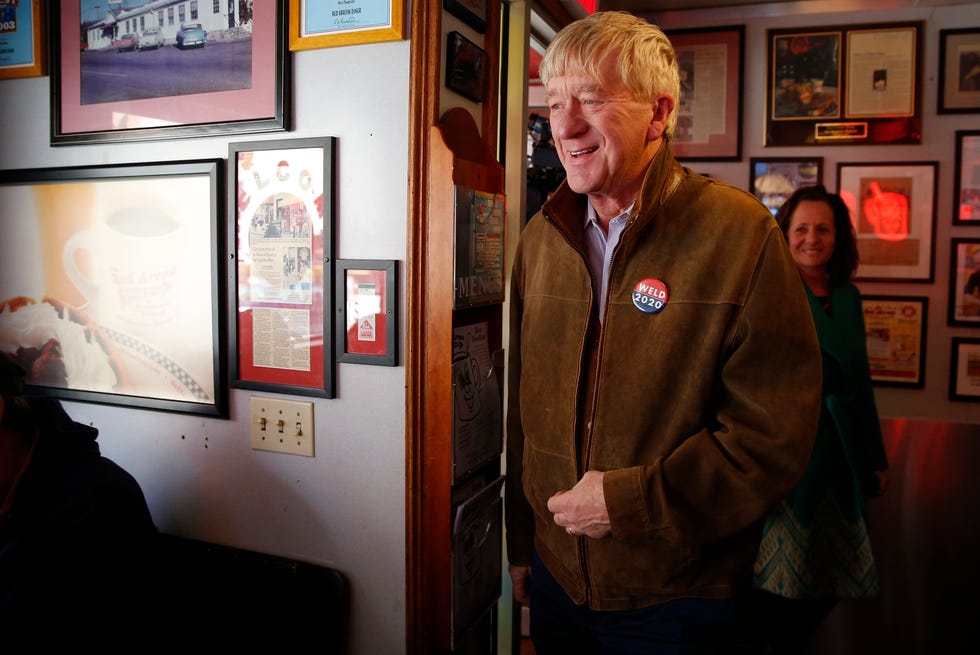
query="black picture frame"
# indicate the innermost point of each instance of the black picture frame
(966, 190)
(127, 269)
(377, 343)
(84, 110)
(471, 12)
(281, 245)
(466, 67)
(959, 85)
(774, 179)
(964, 369)
(964, 282)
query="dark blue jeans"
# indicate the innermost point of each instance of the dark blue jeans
(686, 626)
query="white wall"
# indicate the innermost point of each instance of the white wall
(346, 507)
(930, 402)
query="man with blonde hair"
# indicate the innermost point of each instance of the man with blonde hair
(664, 369)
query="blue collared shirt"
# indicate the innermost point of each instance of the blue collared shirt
(599, 247)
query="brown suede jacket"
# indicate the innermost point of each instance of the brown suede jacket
(702, 415)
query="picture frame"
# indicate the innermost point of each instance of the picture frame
(366, 316)
(893, 209)
(471, 12)
(124, 265)
(895, 329)
(23, 47)
(165, 97)
(478, 247)
(844, 85)
(330, 24)
(709, 111)
(964, 282)
(959, 84)
(964, 369)
(774, 179)
(466, 67)
(280, 241)
(966, 194)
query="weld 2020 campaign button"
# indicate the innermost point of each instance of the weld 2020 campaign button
(650, 295)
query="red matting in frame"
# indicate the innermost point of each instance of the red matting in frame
(259, 101)
(367, 333)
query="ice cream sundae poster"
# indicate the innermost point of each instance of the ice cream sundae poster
(281, 197)
(109, 283)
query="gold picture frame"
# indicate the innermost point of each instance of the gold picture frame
(331, 24)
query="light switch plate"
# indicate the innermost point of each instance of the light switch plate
(282, 426)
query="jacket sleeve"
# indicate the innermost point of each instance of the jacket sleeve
(759, 426)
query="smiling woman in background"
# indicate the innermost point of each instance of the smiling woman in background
(816, 548)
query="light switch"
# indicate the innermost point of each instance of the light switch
(282, 426)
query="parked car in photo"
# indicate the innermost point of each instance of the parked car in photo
(151, 38)
(191, 35)
(127, 42)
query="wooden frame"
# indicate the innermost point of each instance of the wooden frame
(839, 85)
(895, 328)
(466, 67)
(22, 40)
(164, 95)
(964, 369)
(366, 316)
(966, 195)
(893, 208)
(471, 12)
(959, 79)
(123, 265)
(774, 179)
(280, 238)
(707, 55)
(315, 25)
(964, 282)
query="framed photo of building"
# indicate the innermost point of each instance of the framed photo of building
(895, 328)
(110, 284)
(280, 238)
(165, 70)
(893, 208)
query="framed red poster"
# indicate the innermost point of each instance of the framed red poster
(280, 239)
(367, 324)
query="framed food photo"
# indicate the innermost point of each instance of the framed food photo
(331, 23)
(893, 209)
(959, 71)
(895, 328)
(23, 43)
(964, 282)
(110, 284)
(367, 323)
(964, 369)
(966, 195)
(709, 111)
(774, 179)
(280, 238)
(137, 71)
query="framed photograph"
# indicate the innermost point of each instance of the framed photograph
(23, 49)
(280, 239)
(367, 322)
(893, 208)
(964, 282)
(112, 282)
(330, 23)
(710, 107)
(774, 179)
(137, 72)
(966, 198)
(959, 71)
(466, 67)
(471, 12)
(839, 85)
(964, 370)
(895, 329)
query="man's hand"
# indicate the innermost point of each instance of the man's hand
(520, 578)
(582, 509)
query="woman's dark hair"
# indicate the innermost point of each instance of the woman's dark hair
(844, 260)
